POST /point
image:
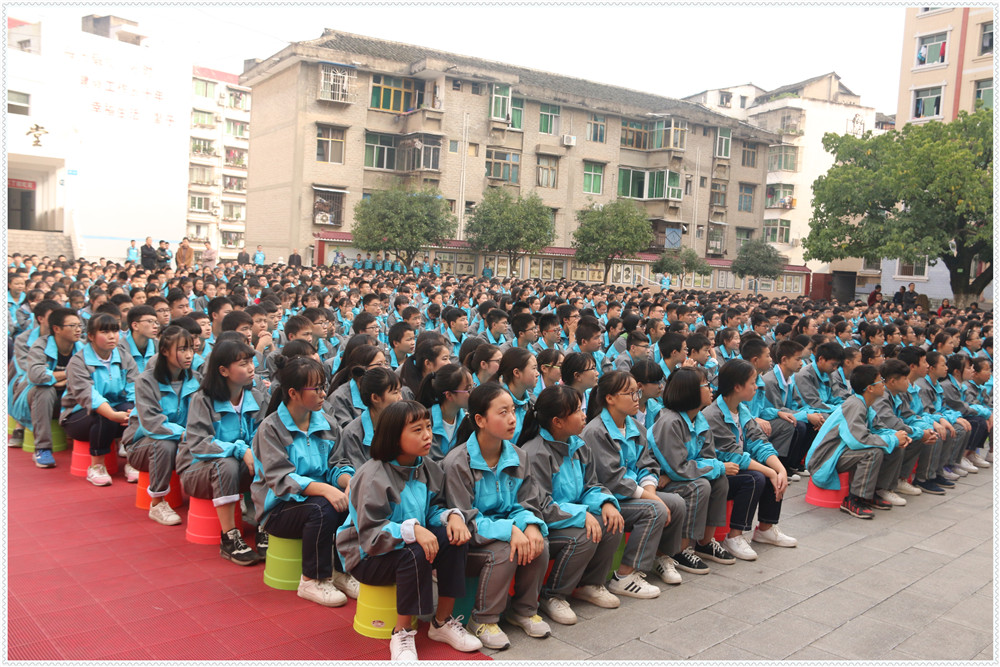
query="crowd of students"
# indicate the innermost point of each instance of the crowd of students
(418, 429)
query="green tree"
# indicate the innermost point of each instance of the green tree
(614, 231)
(926, 190)
(759, 259)
(680, 263)
(402, 221)
(504, 225)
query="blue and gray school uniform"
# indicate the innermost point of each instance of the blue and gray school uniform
(126, 344)
(355, 443)
(816, 389)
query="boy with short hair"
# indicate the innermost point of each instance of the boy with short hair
(402, 340)
(777, 423)
(780, 385)
(893, 411)
(636, 349)
(932, 396)
(814, 381)
(457, 324)
(700, 350)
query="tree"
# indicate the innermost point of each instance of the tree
(402, 221)
(513, 227)
(680, 263)
(924, 191)
(759, 259)
(614, 231)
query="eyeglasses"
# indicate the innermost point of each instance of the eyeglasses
(551, 365)
(318, 390)
(69, 326)
(148, 321)
(705, 385)
(460, 391)
(636, 395)
(384, 364)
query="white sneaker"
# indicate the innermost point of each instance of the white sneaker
(666, 567)
(121, 450)
(967, 465)
(773, 535)
(890, 497)
(558, 610)
(633, 585)
(98, 475)
(979, 461)
(907, 489)
(163, 514)
(533, 626)
(952, 474)
(739, 547)
(403, 646)
(794, 477)
(131, 474)
(989, 456)
(347, 584)
(321, 591)
(599, 596)
(455, 635)
(490, 635)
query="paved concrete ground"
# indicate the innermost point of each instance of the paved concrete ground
(914, 583)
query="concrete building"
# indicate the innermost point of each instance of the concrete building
(340, 116)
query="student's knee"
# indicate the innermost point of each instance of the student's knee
(759, 480)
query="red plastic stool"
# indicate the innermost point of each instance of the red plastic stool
(828, 497)
(913, 473)
(81, 459)
(548, 571)
(111, 460)
(722, 532)
(203, 525)
(142, 500)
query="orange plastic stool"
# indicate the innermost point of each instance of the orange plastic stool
(828, 497)
(913, 473)
(81, 459)
(203, 525)
(722, 532)
(142, 500)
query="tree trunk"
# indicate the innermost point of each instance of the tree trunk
(607, 271)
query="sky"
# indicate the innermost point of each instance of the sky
(670, 50)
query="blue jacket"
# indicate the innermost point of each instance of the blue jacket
(685, 449)
(734, 444)
(90, 383)
(215, 430)
(520, 411)
(127, 345)
(623, 460)
(760, 407)
(850, 426)
(442, 444)
(258, 258)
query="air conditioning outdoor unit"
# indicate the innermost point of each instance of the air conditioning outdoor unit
(568, 140)
(218, 118)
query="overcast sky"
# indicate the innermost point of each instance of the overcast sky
(668, 50)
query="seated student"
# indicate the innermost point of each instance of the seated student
(849, 441)
(651, 383)
(579, 371)
(139, 342)
(344, 403)
(445, 393)
(636, 349)
(549, 333)
(518, 374)
(100, 393)
(585, 524)
(839, 379)
(399, 529)
(673, 353)
(525, 333)
(843, 335)
(402, 341)
(379, 388)
(979, 391)
(483, 362)
(682, 444)
(728, 344)
(700, 350)
(588, 341)
(18, 384)
(781, 392)
(299, 483)
(431, 353)
(758, 487)
(549, 370)
(456, 325)
(932, 396)
(433, 317)
(980, 417)
(893, 412)
(496, 327)
(814, 382)
(654, 330)
(630, 322)
(488, 479)
(626, 466)
(613, 328)
(928, 477)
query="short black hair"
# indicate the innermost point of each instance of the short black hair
(862, 377)
(392, 421)
(734, 373)
(683, 390)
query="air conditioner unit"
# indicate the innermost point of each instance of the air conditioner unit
(795, 243)
(218, 118)
(568, 140)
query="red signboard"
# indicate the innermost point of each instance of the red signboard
(18, 184)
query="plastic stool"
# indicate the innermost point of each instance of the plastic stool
(375, 616)
(28, 443)
(913, 473)
(59, 443)
(12, 425)
(828, 497)
(203, 525)
(465, 604)
(722, 532)
(173, 498)
(616, 562)
(81, 459)
(283, 564)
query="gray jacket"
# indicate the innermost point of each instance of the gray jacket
(80, 391)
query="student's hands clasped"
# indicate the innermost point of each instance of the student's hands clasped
(731, 468)
(526, 545)
(458, 531)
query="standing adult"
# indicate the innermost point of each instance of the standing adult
(163, 256)
(185, 255)
(910, 297)
(897, 298)
(132, 253)
(258, 257)
(243, 257)
(295, 259)
(147, 254)
(209, 256)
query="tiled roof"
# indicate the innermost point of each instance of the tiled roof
(216, 75)
(15, 23)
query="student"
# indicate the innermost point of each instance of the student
(432, 352)
(979, 391)
(636, 349)
(932, 396)
(728, 340)
(549, 370)
(483, 363)
(344, 403)
(399, 529)
(518, 374)
(626, 467)
(893, 412)
(487, 478)
(496, 327)
(814, 382)
(849, 441)
(456, 325)
(651, 381)
(585, 524)
(100, 393)
(549, 333)
(781, 392)
(445, 393)
(589, 341)
(759, 486)
(525, 333)
(141, 339)
(839, 382)
(379, 388)
(978, 416)
(402, 341)
(700, 351)
(157, 424)
(299, 485)
(580, 372)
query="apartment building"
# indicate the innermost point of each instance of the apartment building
(343, 115)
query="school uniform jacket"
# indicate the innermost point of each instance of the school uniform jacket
(784, 394)
(43, 355)
(624, 462)
(89, 383)
(160, 413)
(442, 444)
(733, 445)
(344, 405)
(894, 413)
(141, 358)
(932, 396)
(974, 394)
(953, 394)
(815, 388)
(840, 385)
(761, 407)
(216, 431)
(355, 440)
(684, 448)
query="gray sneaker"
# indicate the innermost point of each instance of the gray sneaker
(533, 626)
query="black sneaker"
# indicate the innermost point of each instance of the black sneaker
(688, 561)
(233, 548)
(261, 543)
(929, 487)
(943, 483)
(878, 503)
(856, 506)
(714, 551)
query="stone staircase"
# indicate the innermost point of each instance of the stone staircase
(29, 242)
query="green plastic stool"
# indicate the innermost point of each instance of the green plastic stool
(465, 604)
(59, 443)
(283, 566)
(617, 561)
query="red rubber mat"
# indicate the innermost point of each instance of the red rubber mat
(90, 577)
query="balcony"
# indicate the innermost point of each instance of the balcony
(716, 242)
(784, 202)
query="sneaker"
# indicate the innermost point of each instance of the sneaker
(121, 450)
(967, 465)
(558, 610)
(403, 646)
(633, 585)
(261, 543)
(321, 591)
(688, 561)
(794, 477)
(131, 474)
(890, 497)
(454, 634)
(533, 626)
(879, 503)
(929, 487)
(739, 547)
(951, 473)
(804, 473)
(944, 483)
(907, 489)
(163, 514)
(773, 535)
(666, 567)
(43, 458)
(347, 584)
(233, 548)
(979, 461)
(714, 551)
(989, 456)
(856, 507)
(98, 475)
(15, 438)
(490, 635)
(599, 596)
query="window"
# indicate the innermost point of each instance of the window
(723, 140)
(746, 197)
(749, 156)
(782, 158)
(637, 184)
(328, 205)
(18, 103)
(725, 99)
(728, 280)
(24, 45)
(674, 185)
(670, 133)
(678, 130)
(201, 146)
(420, 152)
(596, 127)
(501, 102)
(585, 272)
(791, 121)
(238, 99)
(476, 88)
(517, 113)
(202, 118)
(549, 269)
(777, 231)
(234, 184)
(548, 119)
(473, 150)
(916, 269)
(232, 239)
(393, 93)
(700, 232)
(766, 285)
(986, 41)
(199, 203)
(593, 178)
(873, 265)
(687, 186)
(236, 157)
(743, 234)
(452, 146)
(793, 284)
(703, 182)
(743, 101)
(931, 49)
(780, 196)
(380, 150)
(199, 232)
(456, 84)
(634, 135)
(631, 183)
(237, 128)
(201, 175)
(335, 83)
(984, 92)
(503, 165)
(718, 194)
(548, 171)
(329, 144)
(233, 211)
(204, 88)
(927, 102)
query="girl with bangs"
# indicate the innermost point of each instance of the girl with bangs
(344, 403)
(518, 374)
(445, 393)
(379, 389)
